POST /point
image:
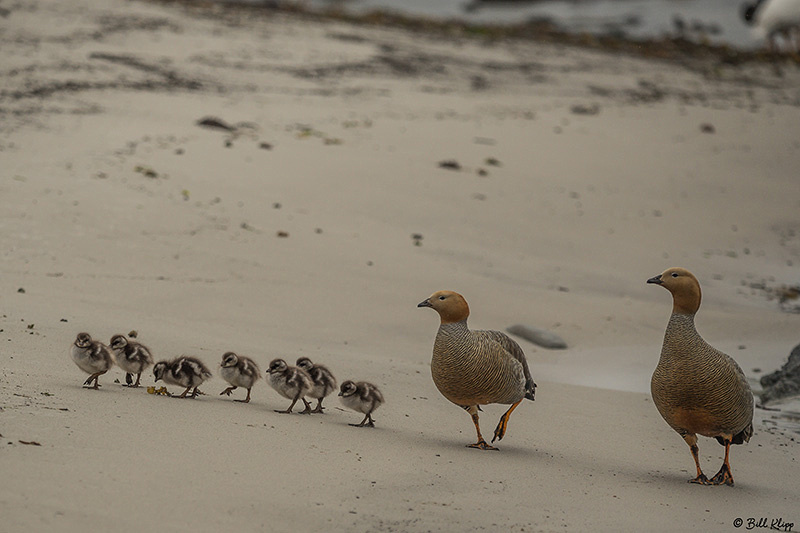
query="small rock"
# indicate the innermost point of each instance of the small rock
(21, 290)
(450, 164)
(541, 337)
(133, 334)
(492, 162)
(265, 146)
(215, 123)
(283, 234)
(784, 382)
(707, 128)
(146, 171)
(580, 109)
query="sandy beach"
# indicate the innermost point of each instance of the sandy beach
(354, 170)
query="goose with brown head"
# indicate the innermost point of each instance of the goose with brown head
(474, 367)
(698, 389)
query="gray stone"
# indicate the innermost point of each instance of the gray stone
(538, 336)
(784, 382)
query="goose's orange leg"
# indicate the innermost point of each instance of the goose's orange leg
(701, 478)
(724, 476)
(500, 430)
(481, 444)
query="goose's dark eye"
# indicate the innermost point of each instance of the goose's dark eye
(441, 297)
(674, 274)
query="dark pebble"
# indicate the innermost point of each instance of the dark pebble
(580, 109)
(215, 123)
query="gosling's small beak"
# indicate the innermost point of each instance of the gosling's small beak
(657, 280)
(425, 303)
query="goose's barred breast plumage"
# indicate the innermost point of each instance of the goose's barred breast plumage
(694, 377)
(472, 368)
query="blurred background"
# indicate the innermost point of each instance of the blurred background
(719, 22)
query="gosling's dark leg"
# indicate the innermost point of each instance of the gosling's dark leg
(367, 422)
(246, 400)
(307, 410)
(94, 377)
(294, 401)
(288, 410)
